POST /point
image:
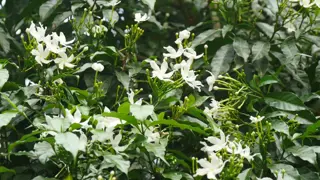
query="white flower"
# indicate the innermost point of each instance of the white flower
(186, 64)
(172, 52)
(37, 32)
(52, 43)
(97, 67)
(64, 61)
(304, 3)
(139, 111)
(106, 122)
(152, 137)
(256, 119)
(246, 154)
(190, 78)
(62, 39)
(191, 54)
(139, 18)
(211, 169)
(41, 55)
(161, 72)
(131, 98)
(76, 118)
(211, 80)
(218, 144)
(115, 143)
(56, 124)
(185, 34)
(214, 111)
(236, 148)
(43, 151)
(72, 142)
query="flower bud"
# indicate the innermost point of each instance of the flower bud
(85, 9)
(112, 173)
(215, 87)
(206, 46)
(100, 177)
(18, 31)
(86, 48)
(97, 67)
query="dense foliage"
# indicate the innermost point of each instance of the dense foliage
(159, 89)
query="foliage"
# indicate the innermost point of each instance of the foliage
(108, 89)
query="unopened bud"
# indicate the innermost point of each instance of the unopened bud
(86, 48)
(85, 9)
(111, 172)
(100, 177)
(206, 46)
(215, 87)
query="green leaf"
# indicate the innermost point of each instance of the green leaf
(268, 79)
(150, 3)
(284, 101)
(290, 172)
(58, 20)
(124, 108)
(158, 149)
(141, 112)
(304, 152)
(226, 28)
(47, 8)
(111, 15)
(245, 174)
(172, 175)
(130, 119)
(260, 49)
(290, 50)
(4, 74)
(205, 36)
(312, 129)
(303, 117)
(6, 117)
(118, 161)
(242, 48)
(124, 79)
(177, 124)
(222, 60)
(5, 170)
(280, 126)
(25, 139)
(4, 43)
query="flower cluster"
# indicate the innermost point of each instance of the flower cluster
(214, 167)
(50, 44)
(183, 67)
(307, 3)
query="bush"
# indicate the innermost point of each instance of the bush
(104, 89)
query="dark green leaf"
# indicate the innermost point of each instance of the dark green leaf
(222, 60)
(47, 8)
(285, 101)
(242, 48)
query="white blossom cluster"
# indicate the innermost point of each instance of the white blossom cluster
(51, 43)
(184, 67)
(307, 3)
